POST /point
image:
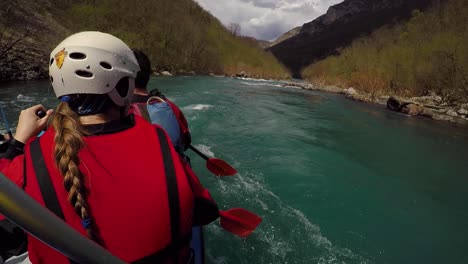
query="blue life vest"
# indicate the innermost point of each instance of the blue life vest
(161, 113)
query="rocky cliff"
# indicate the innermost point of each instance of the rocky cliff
(341, 24)
(291, 33)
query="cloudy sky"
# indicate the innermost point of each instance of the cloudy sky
(266, 19)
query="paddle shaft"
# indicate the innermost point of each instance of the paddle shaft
(198, 152)
(6, 122)
(35, 219)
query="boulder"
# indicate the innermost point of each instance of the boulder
(408, 108)
(393, 104)
(427, 113)
(166, 73)
(242, 74)
(351, 91)
(412, 109)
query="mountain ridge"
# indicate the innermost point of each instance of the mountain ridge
(337, 28)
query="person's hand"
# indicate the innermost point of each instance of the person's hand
(29, 124)
(5, 137)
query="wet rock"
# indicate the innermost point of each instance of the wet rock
(394, 104)
(451, 112)
(427, 113)
(408, 108)
(443, 118)
(242, 74)
(412, 109)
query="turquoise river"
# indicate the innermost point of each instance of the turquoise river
(335, 181)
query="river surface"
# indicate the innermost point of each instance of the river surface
(335, 181)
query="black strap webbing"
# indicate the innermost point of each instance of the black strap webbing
(45, 183)
(177, 242)
(172, 190)
(24, 173)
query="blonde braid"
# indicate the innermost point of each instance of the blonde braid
(68, 142)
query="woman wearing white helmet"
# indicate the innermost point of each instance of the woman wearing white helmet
(111, 176)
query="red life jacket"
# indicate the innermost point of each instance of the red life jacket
(128, 195)
(182, 122)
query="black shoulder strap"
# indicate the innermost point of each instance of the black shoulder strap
(24, 173)
(177, 241)
(172, 189)
(44, 181)
(51, 201)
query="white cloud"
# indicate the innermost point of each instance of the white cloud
(266, 19)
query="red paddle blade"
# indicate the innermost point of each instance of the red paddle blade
(219, 167)
(239, 221)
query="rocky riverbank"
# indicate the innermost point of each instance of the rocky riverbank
(431, 107)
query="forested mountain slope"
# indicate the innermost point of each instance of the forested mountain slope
(426, 55)
(177, 34)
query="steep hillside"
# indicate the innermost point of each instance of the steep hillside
(28, 32)
(341, 24)
(426, 55)
(291, 33)
(178, 35)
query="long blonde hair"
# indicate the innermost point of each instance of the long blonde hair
(68, 141)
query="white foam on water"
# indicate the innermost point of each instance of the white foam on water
(204, 149)
(253, 79)
(249, 189)
(261, 84)
(25, 98)
(197, 107)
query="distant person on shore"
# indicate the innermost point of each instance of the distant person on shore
(114, 176)
(157, 109)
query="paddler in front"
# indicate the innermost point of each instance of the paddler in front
(110, 175)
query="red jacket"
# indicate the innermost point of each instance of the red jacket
(127, 195)
(182, 123)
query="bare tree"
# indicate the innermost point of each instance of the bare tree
(234, 29)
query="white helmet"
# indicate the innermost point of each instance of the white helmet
(93, 63)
